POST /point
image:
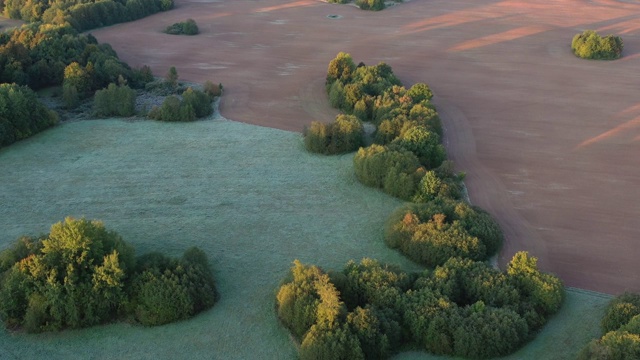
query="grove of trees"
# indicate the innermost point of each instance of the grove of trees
(621, 328)
(82, 15)
(462, 308)
(460, 305)
(82, 274)
(407, 159)
(590, 45)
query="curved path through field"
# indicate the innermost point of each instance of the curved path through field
(549, 141)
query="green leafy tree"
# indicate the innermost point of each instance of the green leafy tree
(115, 101)
(341, 68)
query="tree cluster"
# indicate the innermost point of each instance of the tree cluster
(374, 5)
(82, 15)
(47, 55)
(344, 135)
(590, 45)
(188, 27)
(431, 233)
(192, 104)
(461, 308)
(407, 159)
(621, 328)
(21, 114)
(81, 274)
(115, 100)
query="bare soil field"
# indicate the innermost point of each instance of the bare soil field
(549, 141)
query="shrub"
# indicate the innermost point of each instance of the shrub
(590, 45)
(115, 101)
(212, 89)
(344, 135)
(188, 27)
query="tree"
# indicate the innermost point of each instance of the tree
(115, 101)
(172, 77)
(340, 68)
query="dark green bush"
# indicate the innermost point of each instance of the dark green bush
(188, 27)
(590, 45)
(115, 101)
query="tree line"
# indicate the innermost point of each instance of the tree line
(374, 5)
(371, 310)
(82, 15)
(460, 305)
(82, 274)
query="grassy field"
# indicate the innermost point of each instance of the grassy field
(251, 197)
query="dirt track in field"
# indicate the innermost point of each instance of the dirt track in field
(549, 142)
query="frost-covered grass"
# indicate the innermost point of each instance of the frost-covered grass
(251, 197)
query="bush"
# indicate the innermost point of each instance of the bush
(188, 27)
(82, 274)
(590, 45)
(115, 101)
(345, 134)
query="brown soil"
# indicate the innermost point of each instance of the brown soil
(549, 142)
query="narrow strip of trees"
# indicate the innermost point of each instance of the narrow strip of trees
(82, 15)
(460, 305)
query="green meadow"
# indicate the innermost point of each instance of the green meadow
(251, 197)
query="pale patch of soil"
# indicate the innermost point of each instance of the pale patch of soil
(549, 142)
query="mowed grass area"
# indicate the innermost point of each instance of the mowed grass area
(250, 197)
